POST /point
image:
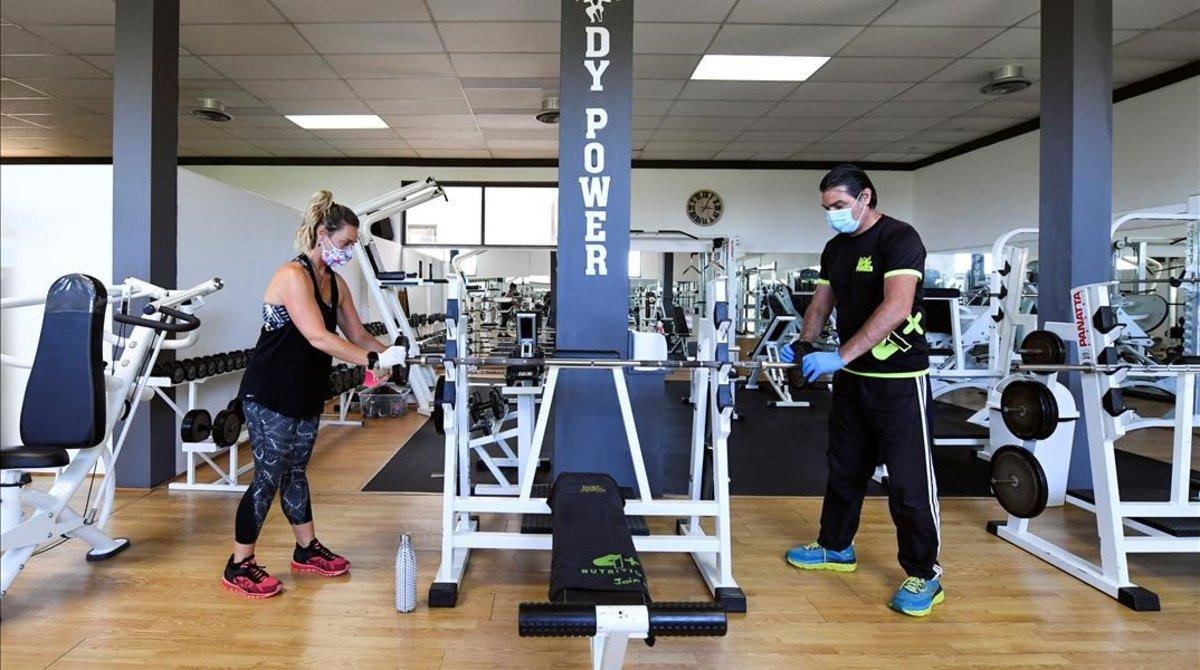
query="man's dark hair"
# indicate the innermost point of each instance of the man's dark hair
(853, 179)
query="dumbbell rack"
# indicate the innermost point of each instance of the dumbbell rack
(206, 451)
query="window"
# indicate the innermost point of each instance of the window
(522, 216)
(452, 221)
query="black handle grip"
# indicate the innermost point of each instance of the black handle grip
(556, 620)
(185, 322)
(677, 619)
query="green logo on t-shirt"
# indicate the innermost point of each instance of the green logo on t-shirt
(864, 264)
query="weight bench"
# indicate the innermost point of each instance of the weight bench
(597, 586)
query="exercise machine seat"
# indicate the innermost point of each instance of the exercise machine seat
(29, 458)
(64, 406)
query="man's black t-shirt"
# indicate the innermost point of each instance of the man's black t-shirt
(855, 267)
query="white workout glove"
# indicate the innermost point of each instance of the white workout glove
(393, 355)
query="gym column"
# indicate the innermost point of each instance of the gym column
(1076, 165)
(592, 282)
(145, 131)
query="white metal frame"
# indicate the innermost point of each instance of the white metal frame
(125, 386)
(1113, 515)
(711, 553)
(783, 327)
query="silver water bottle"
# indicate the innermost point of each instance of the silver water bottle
(406, 575)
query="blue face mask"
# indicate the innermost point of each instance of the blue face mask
(842, 220)
(334, 257)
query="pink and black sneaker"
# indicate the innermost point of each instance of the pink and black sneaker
(316, 558)
(249, 579)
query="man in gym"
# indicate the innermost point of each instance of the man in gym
(284, 389)
(871, 272)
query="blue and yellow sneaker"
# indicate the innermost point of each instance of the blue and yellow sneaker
(916, 596)
(813, 556)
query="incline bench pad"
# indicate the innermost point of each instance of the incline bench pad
(593, 546)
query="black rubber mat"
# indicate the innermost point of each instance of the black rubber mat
(772, 451)
(1142, 479)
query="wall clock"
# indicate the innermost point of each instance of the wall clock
(705, 207)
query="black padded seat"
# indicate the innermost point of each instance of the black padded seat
(28, 458)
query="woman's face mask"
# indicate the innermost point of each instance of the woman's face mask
(333, 256)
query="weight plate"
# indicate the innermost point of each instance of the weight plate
(227, 426)
(499, 404)
(1147, 310)
(223, 363)
(196, 426)
(235, 406)
(191, 369)
(1029, 409)
(1042, 347)
(438, 414)
(178, 372)
(1019, 482)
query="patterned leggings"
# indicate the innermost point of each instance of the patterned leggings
(282, 446)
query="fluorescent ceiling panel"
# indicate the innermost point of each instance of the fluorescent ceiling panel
(757, 68)
(336, 121)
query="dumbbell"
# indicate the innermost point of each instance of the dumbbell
(224, 364)
(176, 371)
(191, 369)
(227, 427)
(196, 426)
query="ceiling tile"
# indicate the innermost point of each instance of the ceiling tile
(223, 147)
(297, 89)
(505, 65)
(22, 12)
(920, 147)
(778, 40)
(504, 98)
(495, 10)
(434, 133)
(16, 40)
(640, 137)
(263, 121)
(773, 155)
(845, 146)
(713, 135)
(430, 121)
(544, 83)
(979, 124)
(1027, 43)
(1129, 70)
(873, 135)
(96, 105)
(645, 122)
(518, 144)
(891, 42)
(840, 68)
(271, 67)
(317, 11)
(520, 37)
(191, 67)
(676, 155)
(672, 38)
(546, 133)
(1142, 14)
(242, 40)
(19, 67)
(231, 99)
(736, 90)
(887, 157)
(334, 136)
(298, 147)
(28, 132)
(525, 153)
(823, 156)
(733, 155)
(7, 122)
(841, 13)
(373, 66)
(208, 132)
(651, 107)
(371, 38)
(943, 92)
(351, 146)
(460, 153)
(657, 89)
(332, 106)
(525, 121)
(848, 109)
(957, 12)
(924, 109)
(440, 106)
(706, 122)
(787, 148)
(684, 146)
(664, 66)
(1189, 22)
(782, 135)
(407, 89)
(719, 108)
(710, 11)
(946, 136)
(1182, 45)
(979, 70)
(822, 91)
(11, 89)
(228, 11)
(1007, 109)
(384, 153)
(912, 123)
(79, 40)
(251, 133)
(785, 123)
(63, 88)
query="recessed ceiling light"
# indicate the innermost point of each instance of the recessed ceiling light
(336, 121)
(757, 68)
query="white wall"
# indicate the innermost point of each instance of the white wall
(772, 210)
(41, 206)
(969, 200)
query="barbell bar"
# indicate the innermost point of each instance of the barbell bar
(505, 361)
(1135, 368)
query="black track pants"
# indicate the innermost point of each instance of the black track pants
(889, 418)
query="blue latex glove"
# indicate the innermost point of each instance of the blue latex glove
(787, 354)
(821, 363)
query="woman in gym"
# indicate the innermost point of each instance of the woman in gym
(285, 386)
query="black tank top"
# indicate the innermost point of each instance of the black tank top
(286, 374)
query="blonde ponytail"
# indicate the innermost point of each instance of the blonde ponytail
(315, 215)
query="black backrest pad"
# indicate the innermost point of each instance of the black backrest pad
(64, 399)
(593, 547)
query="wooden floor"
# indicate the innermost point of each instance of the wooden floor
(158, 604)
